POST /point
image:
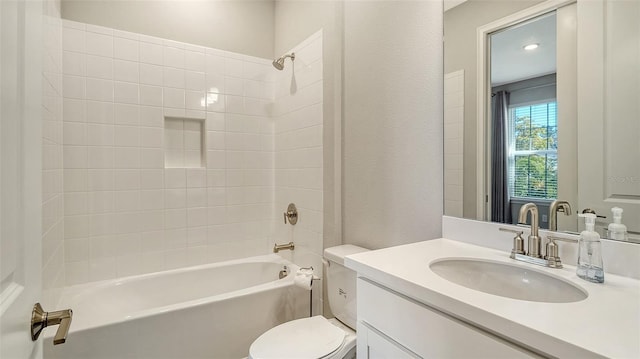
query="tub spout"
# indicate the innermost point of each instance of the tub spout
(278, 247)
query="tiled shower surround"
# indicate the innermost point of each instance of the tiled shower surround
(298, 119)
(298, 129)
(127, 210)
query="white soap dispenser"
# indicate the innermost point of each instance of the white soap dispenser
(616, 229)
(590, 267)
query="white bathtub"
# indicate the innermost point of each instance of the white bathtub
(209, 311)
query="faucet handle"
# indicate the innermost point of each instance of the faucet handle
(518, 241)
(562, 239)
(291, 214)
(552, 250)
(589, 210)
(519, 233)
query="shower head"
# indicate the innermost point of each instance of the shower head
(279, 63)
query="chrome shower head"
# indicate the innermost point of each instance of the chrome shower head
(279, 63)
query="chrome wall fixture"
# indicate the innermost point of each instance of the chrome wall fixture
(279, 247)
(291, 214)
(279, 63)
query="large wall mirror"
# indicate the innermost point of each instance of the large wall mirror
(542, 104)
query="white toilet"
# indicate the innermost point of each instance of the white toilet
(318, 337)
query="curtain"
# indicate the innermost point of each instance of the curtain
(500, 201)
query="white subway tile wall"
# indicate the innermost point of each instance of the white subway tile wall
(127, 212)
(53, 249)
(298, 118)
(453, 143)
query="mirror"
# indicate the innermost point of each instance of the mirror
(568, 129)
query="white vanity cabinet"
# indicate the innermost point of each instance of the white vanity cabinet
(376, 345)
(405, 310)
(391, 325)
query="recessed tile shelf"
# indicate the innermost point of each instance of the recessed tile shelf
(183, 143)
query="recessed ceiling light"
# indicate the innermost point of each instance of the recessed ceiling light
(530, 47)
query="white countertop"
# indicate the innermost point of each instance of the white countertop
(606, 324)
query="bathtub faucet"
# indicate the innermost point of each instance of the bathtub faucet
(278, 247)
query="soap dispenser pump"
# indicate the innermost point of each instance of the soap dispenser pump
(590, 267)
(616, 229)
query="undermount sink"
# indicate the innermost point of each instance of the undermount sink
(507, 280)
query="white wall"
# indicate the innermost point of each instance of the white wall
(125, 213)
(392, 122)
(53, 278)
(295, 21)
(245, 27)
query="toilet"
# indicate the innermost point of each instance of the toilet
(319, 337)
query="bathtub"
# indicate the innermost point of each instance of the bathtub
(209, 311)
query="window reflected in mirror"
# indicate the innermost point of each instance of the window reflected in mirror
(523, 126)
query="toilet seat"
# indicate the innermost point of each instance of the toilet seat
(313, 337)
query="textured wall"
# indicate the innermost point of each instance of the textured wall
(240, 26)
(295, 21)
(392, 122)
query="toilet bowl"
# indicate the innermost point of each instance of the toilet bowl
(318, 337)
(315, 337)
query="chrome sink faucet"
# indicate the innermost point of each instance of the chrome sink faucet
(534, 255)
(533, 239)
(555, 207)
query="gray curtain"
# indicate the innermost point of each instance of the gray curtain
(500, 201)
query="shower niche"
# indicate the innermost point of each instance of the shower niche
(184, 145)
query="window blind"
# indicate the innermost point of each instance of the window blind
(533, 156)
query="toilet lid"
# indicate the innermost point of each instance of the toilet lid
(311, 337)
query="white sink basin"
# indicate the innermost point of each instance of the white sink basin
(507, 280)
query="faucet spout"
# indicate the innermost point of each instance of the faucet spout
(533, 244)
(555, 207)
(522, 217)
(278, 247)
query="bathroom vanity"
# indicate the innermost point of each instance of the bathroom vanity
(407, 308)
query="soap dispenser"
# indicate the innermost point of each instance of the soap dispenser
(590, 267)
(617, 230)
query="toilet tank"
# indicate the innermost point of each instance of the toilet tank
(341, 283)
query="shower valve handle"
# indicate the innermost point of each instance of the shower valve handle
(291, 214)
